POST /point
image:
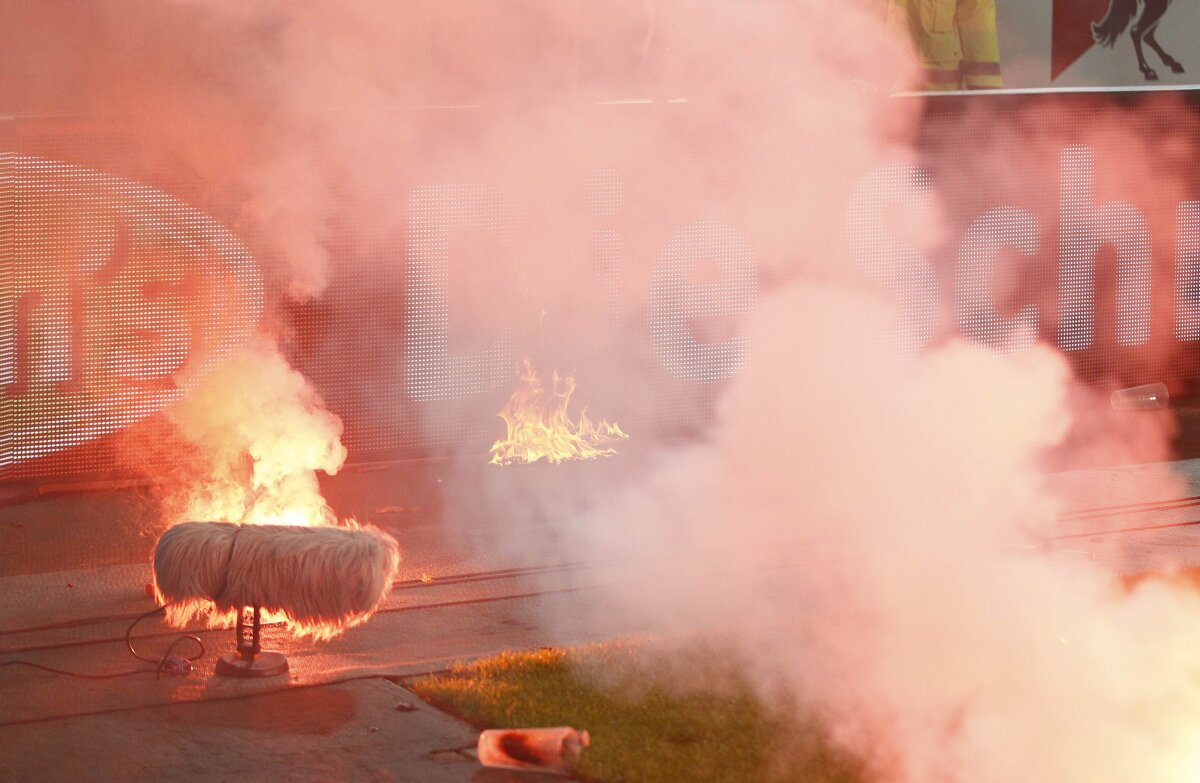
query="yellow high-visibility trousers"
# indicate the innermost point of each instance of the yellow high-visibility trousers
(955, 39)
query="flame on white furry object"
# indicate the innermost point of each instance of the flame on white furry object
(321, 580)
(262, 433)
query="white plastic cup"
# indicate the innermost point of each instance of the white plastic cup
(1149, 397)
(545, 750)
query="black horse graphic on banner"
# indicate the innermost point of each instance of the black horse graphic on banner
(1120, 14)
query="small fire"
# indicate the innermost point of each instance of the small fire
(539, 426)
(259, 436)
(291, 500)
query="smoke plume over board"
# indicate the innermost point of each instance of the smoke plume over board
(345, 98)
(863, 519)
(858, 502)
(864, 539)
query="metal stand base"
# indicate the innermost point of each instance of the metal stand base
(266, 664)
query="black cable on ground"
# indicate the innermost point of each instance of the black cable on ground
(405, 584)
(172, 664)
(387, 610)
(1131, 508)
(1121, 530)
(167, 662)
(81, 675)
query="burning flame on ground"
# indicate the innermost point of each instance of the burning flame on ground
(539, 426)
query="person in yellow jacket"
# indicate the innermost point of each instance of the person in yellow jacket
(955, 39)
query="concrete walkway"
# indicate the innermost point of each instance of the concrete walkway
(337, 715)
(364, 730)
(340, 715)
(73, 573)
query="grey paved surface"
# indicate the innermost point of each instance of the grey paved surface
(335, 717)
(351, 731)
(73, 570)
(400, 643)
(332, 718)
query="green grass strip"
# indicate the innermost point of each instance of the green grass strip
(645, 727)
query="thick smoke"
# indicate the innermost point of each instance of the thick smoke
(866, 537)
(862, 517)
(866, 521)
(194, 94)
